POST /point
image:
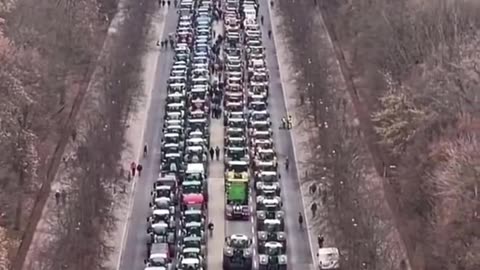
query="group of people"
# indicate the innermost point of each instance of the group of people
(215, 152)
(134, 167)
(60, 196)
(164, 43)
(162, 3)
(287, 122)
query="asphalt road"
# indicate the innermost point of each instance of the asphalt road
(298, 247)
(134, 251)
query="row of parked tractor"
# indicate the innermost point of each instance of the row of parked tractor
(250, 156)
(176, 227)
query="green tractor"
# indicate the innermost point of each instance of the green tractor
(272, 257)
(237, 199)
(271, 230)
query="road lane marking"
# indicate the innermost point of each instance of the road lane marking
(283, 82)
(139, 154)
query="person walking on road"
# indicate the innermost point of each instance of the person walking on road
(212, 152)
(261, 19)
(133, 168)
(139, 169)
(313, 189)
(286, 163)
(284, 123)
(300, 220)
(320, 240)
(145, 150)
(210, 228)
(57, 196)
(313, 208)
(270, 34)
(217, 152)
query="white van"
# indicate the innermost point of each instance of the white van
(328, 258)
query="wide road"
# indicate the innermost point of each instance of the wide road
(298, 247)
(134, 250)
(216, 187)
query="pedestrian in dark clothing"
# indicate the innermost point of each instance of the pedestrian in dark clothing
(320, 240)
(217, 152)
(313, 189)
(163, 3)
(168, 3)
(212, 152)
(271, 3)
(261, 19)
(57, 196)
(145, 150)
(313, 208)
(159, 3)
(139, 169)
(133, 167)
(270, 34)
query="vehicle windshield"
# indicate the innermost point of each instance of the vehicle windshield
(236, 123)
(235, 133)
(189, 266)
(193, 230)
(262, 136)
(172, 139)
(238, 243)
(192, 242)
(238, 167)
(272, 227)
(160, 217)
(259, 77)
(197, 115)
(192, 189)
(259, 106)
(272, 250)
(171, 149)
(236, 143)
(261, 127)
(266, 155)
(194, 177)
(162, 193)
(236, 153)
(189, 217)
(259, 117)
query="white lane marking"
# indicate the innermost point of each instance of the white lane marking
(140, 152)
(283, 82)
